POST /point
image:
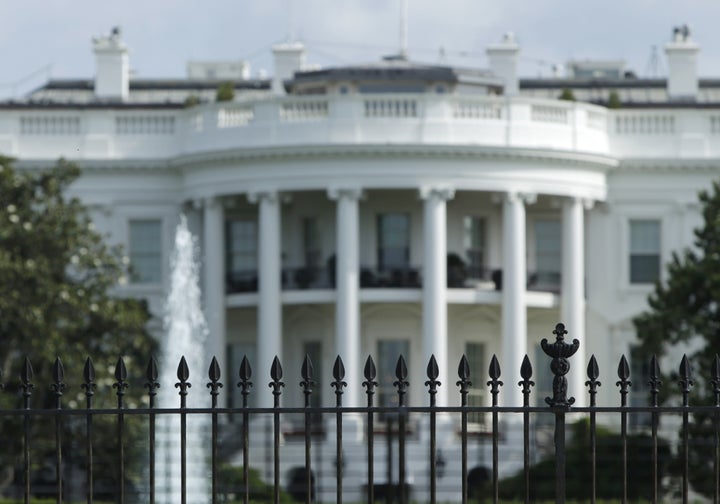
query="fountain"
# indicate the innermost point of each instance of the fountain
(185, 332)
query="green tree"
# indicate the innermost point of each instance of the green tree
(685, 308)
(58, 278)
(614, 100)
(225, 92)
(567, 94)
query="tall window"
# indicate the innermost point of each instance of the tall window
(146, 251)
(311, 242)
(241, 246)
(475, 355)
(644, 251)
(474, 238)
(548, 254)
(393, 241)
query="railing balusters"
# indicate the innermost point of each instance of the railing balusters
(654, 383)
(526, 383)
(307, 384)
(402, 384)
(214, 385)
(245, 384)
(151, 374)
(464, 383)
(89, 386)
(715, 382)
(432, 383)
(276, 384)
(370, 374)
(338, 384)
(26, 376)
(58, 386)
(495, 385)
(593, 372)
(120, 385)
(624, 383)
(685, 382)
(183, 374)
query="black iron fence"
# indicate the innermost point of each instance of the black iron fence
(63, 442)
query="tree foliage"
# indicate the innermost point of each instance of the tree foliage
(225, 92)
(59, 297)
(684, 310)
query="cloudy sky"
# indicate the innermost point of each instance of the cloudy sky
(51, 38)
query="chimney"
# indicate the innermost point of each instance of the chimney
(682, 83)
(288, 59)
(111, 67)
(503, 62)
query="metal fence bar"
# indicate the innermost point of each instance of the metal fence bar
(370, 373)
(464, 383)
(432, 383)
(307, 384)
(338, 384)
(624, 383)
(151, 374)
(57, 388)
(526, 383)
(89, 386)
(655, 420)
(715, 382)
(593, 372)
(276, 384)
(401, 383)
(245, 373)
(214, 385)
(120, 385)
(685, 382)
(26, 376)
(495, 385)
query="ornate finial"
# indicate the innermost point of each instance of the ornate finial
(338, 379)
(121, 384)
(214, 384)
(370, 374)
(526, 382)
(624, 383)
(88, 384)
(686, 380)
(245, 373)
(432, 373)
(307, 383)
(494, 382)
(58, 385)
(593, 371)
(464, 382)
(654, 381)
(26, 376)
(401, 383)
(276, 373)
(152, 384)
(560, 365)
(183, 374)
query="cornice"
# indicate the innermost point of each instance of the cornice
(161, 166)
(669, 165)
(589, 160)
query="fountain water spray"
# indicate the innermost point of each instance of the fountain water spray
(185, 332)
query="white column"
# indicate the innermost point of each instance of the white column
(347, 306)
(514, 310)
(435, 332)
(214, 285)
(269, 332)
(572, 304)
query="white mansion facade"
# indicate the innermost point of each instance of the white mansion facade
(392, 207)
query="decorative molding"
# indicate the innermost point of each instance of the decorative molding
(255, 197)
(443, 193)
(335, 193)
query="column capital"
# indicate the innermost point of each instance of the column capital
(527, 198)
(269, 195)
(353, 193)
(439, 192)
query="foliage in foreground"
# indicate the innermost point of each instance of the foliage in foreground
(57, 279)
(685, 309)
(609, 468)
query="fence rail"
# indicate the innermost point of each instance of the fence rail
(391, 424)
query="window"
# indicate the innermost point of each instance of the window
(644, 251)
(388, 353)
(241, 255)
(474, 243)
(475, 355)
(146, 251)
(311, 242)
(548, 255)
(393, 241)
(241, 246)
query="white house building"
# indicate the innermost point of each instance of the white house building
(393, 207)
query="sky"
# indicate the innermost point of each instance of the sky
(43, 39)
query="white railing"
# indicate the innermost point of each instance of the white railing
(645, 124)
(49, 125)
(474, 109)
(234, 117)
(549, 114)
(303, 110)
(395, 107)
(145, 125)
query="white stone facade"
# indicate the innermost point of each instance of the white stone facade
(351, 203)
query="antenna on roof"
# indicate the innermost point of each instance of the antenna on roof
(403, 28)
(654, 65)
